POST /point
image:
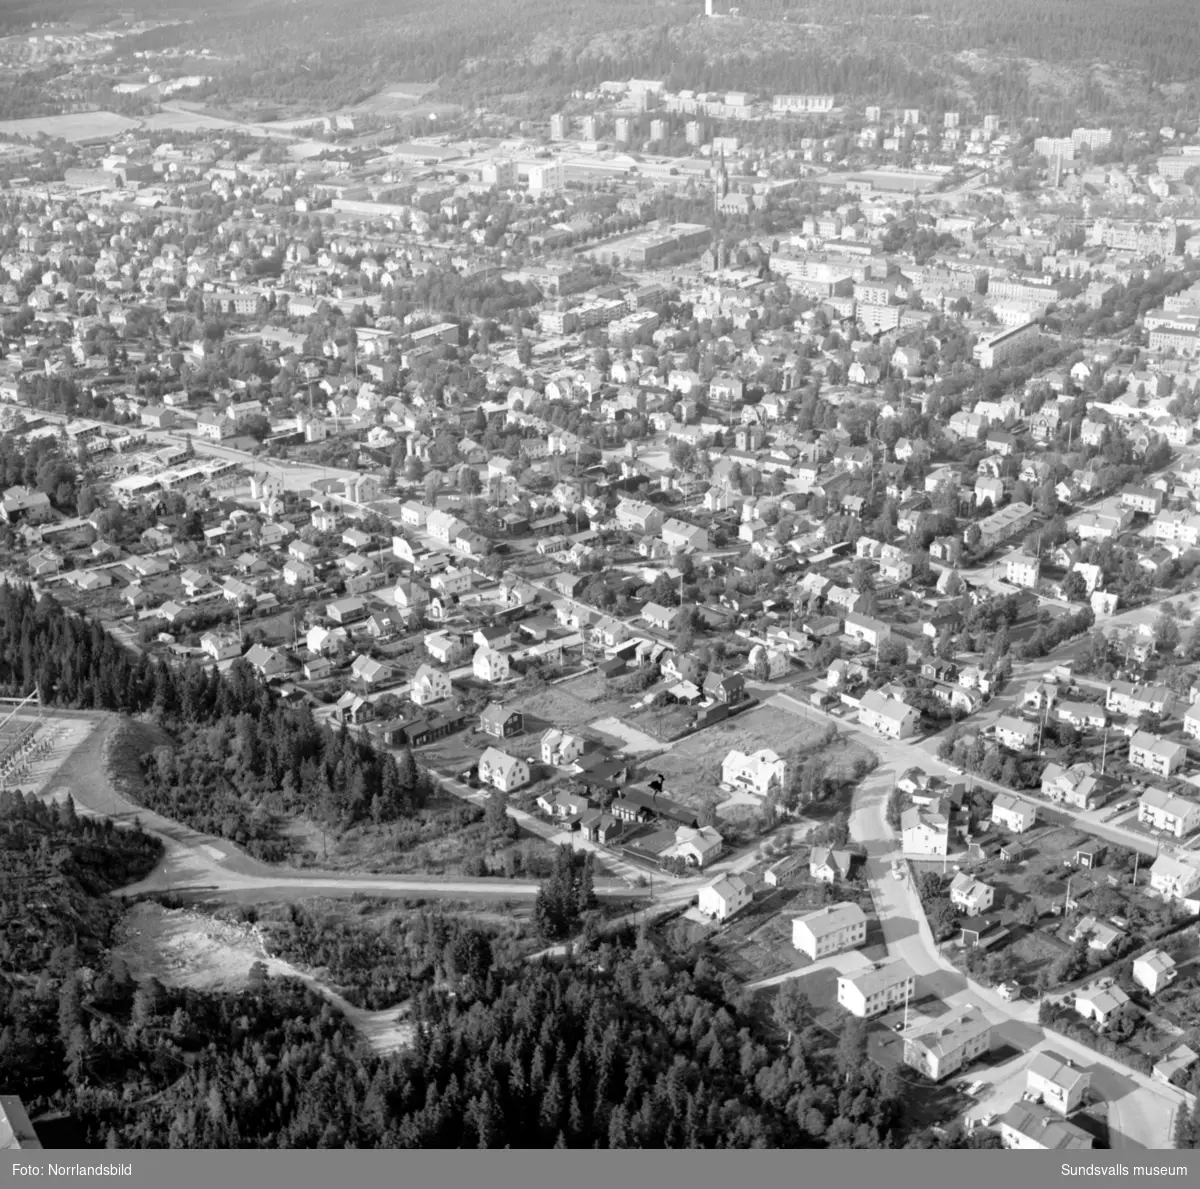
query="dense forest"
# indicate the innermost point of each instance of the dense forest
(927, 52)
(243, 758)
(629, 1043)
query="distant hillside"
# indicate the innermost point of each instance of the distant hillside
(1107, 57)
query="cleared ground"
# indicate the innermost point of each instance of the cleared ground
(80, 126)
(190, 949)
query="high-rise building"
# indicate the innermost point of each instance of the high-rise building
(558, 126)
(591, 128)
(1092, 138)
(658, 131)
(950, 119)
(874, 113)
(991, 124)
(912, 115)
(693, 133)
(545, 177)
(624, 129)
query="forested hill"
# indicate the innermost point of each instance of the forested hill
(325, 54)
(245, 758)
(628, 1045)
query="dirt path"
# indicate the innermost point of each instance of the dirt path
(213, 867)
(190, 949)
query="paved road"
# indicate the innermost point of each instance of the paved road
(1140, 1109)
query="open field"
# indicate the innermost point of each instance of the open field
(693, 765)
(79, 126)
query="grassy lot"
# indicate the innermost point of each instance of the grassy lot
(757, 943)
(573, 705)
(693, 766)
(438, 842)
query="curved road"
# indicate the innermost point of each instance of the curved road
(1141, 1110)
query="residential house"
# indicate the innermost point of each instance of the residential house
(1167, 812)
(727, 688)
(1101, 936)
(1014, 813)
(1083, 716)
(829, 930)
(500, 722)
(266, 662)
(758, 772)
(221, 646)
(490, 665)
(1173, 879)
(1101, 1002)
(871, 992)
(1156, 755)
(429, 685)
(973, 896)
(371, 672)
(950, 1044)
(559, 748)
(1124, 697)
(829, 865)
(1154, 971)
(502, 771)
(925, 831)
(697, 845)
(662, 619)
(445, 648)
(723, 899)
(1028, 1126)
(1015, 733)
(1056, 1083)
(887, 716)
(862, 627)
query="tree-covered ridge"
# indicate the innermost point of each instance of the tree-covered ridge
(244, 756)
(55, 868)
(928, 52)
(624, 1045)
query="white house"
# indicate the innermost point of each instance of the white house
(1013, 813)
(1028, 1126)
(558, 748)
(871, 992)
(758, 772)
(1100, 1002)
(490, 665)
(950, 1044)
(727, 896)
(1152, 754)
(221, 646)
(1173, 879)
(1056, 1082)
(1164, 811)
(502, 771)
(829, 930)
(1154, 971)
(1023, 571)
(924, 832)
(887, 716)
(429, 685)
(973, 896)
(1015, 733)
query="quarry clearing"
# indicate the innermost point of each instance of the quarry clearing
(184, 948)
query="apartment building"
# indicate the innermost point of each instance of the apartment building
(872, 992)
(829, 930)
(950, 1045)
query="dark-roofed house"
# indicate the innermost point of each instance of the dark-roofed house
(500, 722)
(1031, 1126)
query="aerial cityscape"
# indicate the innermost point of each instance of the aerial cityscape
(599, 576)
